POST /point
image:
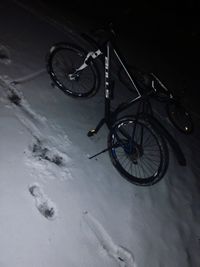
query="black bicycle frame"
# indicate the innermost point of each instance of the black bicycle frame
(110, 116)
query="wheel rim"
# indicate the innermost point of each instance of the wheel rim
(64, 62)
(144, 161)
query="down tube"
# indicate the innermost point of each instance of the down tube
(107, 85)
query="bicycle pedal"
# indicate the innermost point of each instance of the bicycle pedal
(91, 133)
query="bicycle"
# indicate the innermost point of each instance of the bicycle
(136, 144)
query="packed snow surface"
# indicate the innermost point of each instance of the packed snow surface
(59, 208)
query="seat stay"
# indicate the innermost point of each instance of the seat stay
(127, 72)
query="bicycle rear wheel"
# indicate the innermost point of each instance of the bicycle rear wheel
(179, 117)
(62, 62)
(137, 151)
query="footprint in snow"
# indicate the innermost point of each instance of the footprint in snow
(45, 206)
(4, 55)
(42, 152)
(122, 255)
(14, 98)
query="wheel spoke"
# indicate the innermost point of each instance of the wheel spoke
(143, 162)
(64, 60)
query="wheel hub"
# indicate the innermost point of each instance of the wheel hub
(134, 153)
(73, 76)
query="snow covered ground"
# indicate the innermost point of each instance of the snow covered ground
(57, 207)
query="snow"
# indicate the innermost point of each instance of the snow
(57, 207)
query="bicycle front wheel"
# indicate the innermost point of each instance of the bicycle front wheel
(137, 151)
(62, 63)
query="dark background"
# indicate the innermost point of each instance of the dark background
(171, 28)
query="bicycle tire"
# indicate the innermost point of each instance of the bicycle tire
(179, 117)
(62, 60)
(123, 159)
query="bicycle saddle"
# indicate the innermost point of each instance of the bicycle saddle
(105, 33)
